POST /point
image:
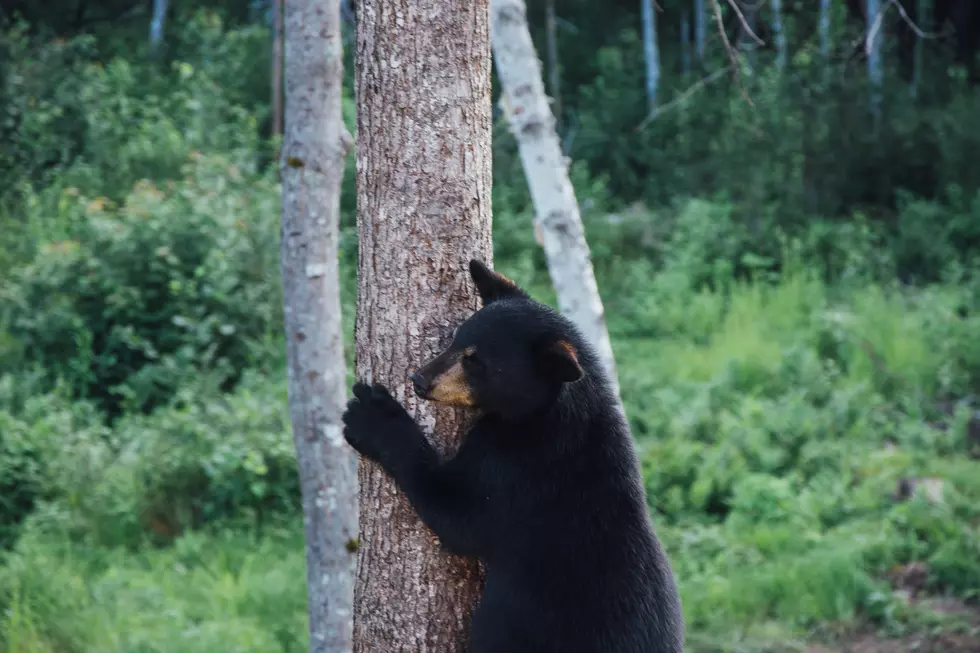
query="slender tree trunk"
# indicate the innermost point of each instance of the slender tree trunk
(685, 43)
(779, 35)
(157, 23)
(423, 191)
(651, 52)
(700, 28)
(874, 32)
(276, 99)
(547, 175)
(825, 28)
(554, 74)
(316, 143)
(924, 17)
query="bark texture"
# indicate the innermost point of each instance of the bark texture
(546, 170)
(424, 209)
(314, 148)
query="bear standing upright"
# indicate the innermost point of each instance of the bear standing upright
(545, 487)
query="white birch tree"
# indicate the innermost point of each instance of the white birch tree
(558, 219)
(315, 145)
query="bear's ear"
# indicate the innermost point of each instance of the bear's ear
(491, 285)
(560, 360)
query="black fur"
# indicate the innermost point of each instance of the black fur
(545, 488)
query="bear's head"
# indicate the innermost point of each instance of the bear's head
(510, 358)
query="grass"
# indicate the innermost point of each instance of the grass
(774, 422)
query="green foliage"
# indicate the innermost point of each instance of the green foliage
(222, 590)
(171, 282)
(790, 285)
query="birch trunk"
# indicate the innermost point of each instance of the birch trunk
(779, 35)
(423, 191)
(700, 28)
(314, 149)
(651, 52)
(874, 31)
(546, 170)
(157, 23)
(825, 28)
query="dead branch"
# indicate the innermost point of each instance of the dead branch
(694, 88)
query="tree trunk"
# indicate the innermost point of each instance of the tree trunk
(779, 35)
(554, 75)
(651, 52)
(547, 175)
(825, 28)
(700, 28)
(157, 23)
(423, 191)
(924, 16)
(314, 149)
(685, 43)
(276, 99)
(874, 32)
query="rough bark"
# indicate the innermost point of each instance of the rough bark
(423, 190)
(314, 149)
(651, 52)
(546, 170)
(276, 90)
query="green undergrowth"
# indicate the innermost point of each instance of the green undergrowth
(774, 421)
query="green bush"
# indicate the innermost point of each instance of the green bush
(169, 283)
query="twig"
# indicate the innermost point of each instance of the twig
(745, 24)
(908, 21)
(694, 88)
(876, 27)
(732, 57)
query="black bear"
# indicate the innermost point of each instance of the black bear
(545, 487)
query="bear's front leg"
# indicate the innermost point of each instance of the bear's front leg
(444, 494)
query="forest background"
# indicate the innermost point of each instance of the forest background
(787, 248)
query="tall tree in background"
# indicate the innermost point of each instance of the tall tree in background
(316, 143)
(924, 15)
(423, 198)
(276, 91)
(873, 35)
(685, 43)
(157, 23)
(651, 52)
(558, 217)
(824, 22)
(779, 34)
(700, 28)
